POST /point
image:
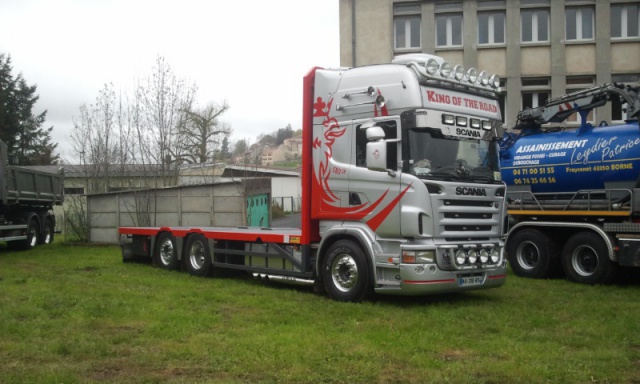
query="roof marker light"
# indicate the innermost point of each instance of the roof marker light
(445, 69)
(448, 119)
(483, 78)
(495, 81)
(472, 75)
(458, 72)
(432, 66)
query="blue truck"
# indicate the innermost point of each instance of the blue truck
(574, 194)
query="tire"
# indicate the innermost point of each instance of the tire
(166, 253)
(46, 237)
(585, 259)
(532, 254)
(346, 273)
(33, 235)
(198, 257)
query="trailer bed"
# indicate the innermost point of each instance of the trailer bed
(247, 234)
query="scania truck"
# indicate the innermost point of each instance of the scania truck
(402, 191)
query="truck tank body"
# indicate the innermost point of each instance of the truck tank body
(568, 161)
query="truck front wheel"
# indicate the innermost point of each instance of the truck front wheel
(585, 259)
(166, 255)
(198, 261)
(531, 253)
(345, 272)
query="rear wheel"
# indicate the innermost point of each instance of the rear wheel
(345, 272)
(585, 259)
(198, 260)
(166, 255)
(33, 232)
(531, 253)
(47, 232)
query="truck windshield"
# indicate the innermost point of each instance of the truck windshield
(435, 156)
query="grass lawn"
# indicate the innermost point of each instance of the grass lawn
(77, 314)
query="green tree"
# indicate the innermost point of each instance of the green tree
(20, 129)
(224, 151)
(241, 147)
(283, 134)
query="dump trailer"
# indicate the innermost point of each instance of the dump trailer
(401, 190)
(27, 198)
(574, 194)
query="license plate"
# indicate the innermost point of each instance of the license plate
(467, 281)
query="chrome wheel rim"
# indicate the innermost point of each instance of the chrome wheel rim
(166, 251)
(584, 260)
(196, 255)
(344, 272)
(528, 255)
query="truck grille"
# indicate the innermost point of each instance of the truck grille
(476, 218)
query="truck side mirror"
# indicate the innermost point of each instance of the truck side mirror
(375, 134)
(376, 149)
(377, 156)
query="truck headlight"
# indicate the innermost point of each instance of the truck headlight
(484, 256)
(473, 256)
(461, 257)
(495, 255)
(418, 257)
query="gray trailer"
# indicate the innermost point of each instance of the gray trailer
(27, 198)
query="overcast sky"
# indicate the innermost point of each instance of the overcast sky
(251, 53)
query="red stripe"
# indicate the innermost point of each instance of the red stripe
(375, 221)
(498, 277)
(310, 228)
(239, 234)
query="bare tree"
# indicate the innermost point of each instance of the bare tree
(164, 99)
(202, 133)
(94, 139)
(140, 135)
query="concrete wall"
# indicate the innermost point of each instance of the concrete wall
(210, 205)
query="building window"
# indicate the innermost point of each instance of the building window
(579, 83)
(617, 108)
(406, 26)
(535, 92)
(491, 27)
(624, 21)
(449, 30)
(579, 23)
(534, 24)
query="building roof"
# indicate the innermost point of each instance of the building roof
(255, 171)
(128, 170)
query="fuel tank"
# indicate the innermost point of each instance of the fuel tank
(571, 160)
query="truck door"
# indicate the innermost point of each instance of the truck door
(376, 191)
